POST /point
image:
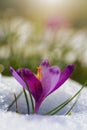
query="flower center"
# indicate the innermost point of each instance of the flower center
(39, 72)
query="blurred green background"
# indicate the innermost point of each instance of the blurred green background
(33, 30)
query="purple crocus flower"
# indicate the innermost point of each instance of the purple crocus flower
(47, 80)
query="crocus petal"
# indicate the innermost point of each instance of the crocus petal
(65, 74)
(25, 75)
(17, 77)
(33, 83)
(45, 63)
(20, 73)
(49, 79)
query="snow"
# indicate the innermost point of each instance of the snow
(13, 121)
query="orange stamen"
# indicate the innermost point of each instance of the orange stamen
(39, 72)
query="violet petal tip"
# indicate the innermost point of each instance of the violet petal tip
(11, 69)
(71, 67)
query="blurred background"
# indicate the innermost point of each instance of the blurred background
(31, 30)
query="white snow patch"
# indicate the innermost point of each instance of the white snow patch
(12, 121)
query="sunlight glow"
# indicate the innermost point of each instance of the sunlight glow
(51, 2)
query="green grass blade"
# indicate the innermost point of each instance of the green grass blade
(58, 109)
(61, 106)
(17, 97)
(27, 102)
(67, 113)
(48, 113)
(16, 103)
(32, 102)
